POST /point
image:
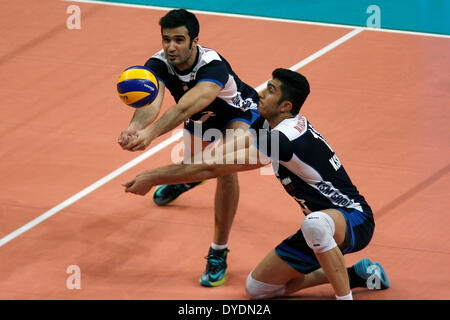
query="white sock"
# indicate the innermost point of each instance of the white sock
(219, 246)
(347, 297)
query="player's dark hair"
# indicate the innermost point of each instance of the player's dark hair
(294, 88)
(178, 18)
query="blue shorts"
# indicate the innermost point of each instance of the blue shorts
(296, 252)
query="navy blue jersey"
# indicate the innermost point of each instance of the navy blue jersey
(307, 166)
(209, 66)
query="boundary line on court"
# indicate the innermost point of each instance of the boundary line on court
(154, 150)
(89, 189)
(255, 17)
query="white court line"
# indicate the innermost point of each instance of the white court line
(319, 53)
(152, 151)
(91, 188)
(234, 15)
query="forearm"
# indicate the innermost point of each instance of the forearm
(193, 101)
(185, 173)
(143, 117)
(177, 173)
(168, 121)
(146, 115)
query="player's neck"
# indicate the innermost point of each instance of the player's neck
(273, 122)
(189, 64)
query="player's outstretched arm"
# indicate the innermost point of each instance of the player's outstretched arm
(212, 166)
(142, 117)
(193, 101)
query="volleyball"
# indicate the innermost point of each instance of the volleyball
(137, 86)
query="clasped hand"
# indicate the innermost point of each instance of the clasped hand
(134, 140)
(140, 185)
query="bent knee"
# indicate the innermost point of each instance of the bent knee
(261, 290)
(318, 230)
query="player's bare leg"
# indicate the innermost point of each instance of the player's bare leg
(226, 202)
(273, 276)
(225, 206)
(332, 261)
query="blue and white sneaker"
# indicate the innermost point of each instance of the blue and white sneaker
(365, 268)
(216, 268)
(167, 193)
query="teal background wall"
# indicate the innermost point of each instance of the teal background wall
(431, 16)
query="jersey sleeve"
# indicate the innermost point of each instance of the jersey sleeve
(215, 71)
(274, 144)
(159, 68)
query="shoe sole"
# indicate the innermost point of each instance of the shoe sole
(383, 277)
(363, 266)
(157, 202)
(207, 283)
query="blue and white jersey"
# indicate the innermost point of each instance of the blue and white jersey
(307, 167)
(209, 66)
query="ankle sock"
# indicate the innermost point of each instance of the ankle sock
(346, 297)
(355, 280)
(219, 246)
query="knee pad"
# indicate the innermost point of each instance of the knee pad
(261, 290)
(318, 229)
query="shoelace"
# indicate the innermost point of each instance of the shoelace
(214, 263)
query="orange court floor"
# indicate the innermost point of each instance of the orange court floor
(381, 100)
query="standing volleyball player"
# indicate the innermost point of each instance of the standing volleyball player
(208, 95)
(338, 218)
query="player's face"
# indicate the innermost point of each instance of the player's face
(176, 45)
(268, 99)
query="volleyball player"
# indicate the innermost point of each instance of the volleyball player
(338, 218)
(208, 95)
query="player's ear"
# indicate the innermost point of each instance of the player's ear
(286, 106)
(194, 42)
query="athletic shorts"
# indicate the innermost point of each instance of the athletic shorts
(296, 252)
(218, 119)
